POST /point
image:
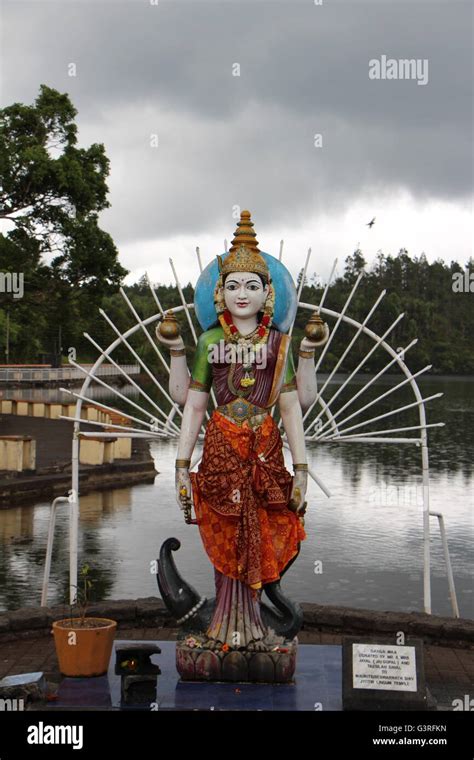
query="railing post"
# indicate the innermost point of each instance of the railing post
(49, 548)
(447, 559)
(74, 527)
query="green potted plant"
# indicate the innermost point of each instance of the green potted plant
(84, 644)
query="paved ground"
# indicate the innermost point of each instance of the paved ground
(449, 672)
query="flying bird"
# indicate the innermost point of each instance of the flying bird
(371, 223)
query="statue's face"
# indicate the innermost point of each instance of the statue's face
(244, 294)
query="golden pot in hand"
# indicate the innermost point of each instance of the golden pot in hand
(316, 330)
(169, 327)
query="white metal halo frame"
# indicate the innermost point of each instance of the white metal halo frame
(331, 430)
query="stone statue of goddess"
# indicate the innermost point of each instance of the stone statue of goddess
(248, 507)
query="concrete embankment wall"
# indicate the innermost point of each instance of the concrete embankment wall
(53, 463)
(31, 622)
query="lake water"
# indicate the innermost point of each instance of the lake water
(365, 542)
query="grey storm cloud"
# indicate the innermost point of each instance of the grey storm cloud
(166, 69)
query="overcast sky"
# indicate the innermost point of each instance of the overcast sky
(391, 148)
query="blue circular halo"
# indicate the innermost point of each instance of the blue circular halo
(286, 298)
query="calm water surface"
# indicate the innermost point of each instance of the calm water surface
(365, 542)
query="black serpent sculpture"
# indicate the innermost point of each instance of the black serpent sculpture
(194, 612)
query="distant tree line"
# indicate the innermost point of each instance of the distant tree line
(441, 320)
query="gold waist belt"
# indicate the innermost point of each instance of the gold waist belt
(241, 410)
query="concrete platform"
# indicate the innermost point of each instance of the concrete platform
(317, 686)
(449, 670)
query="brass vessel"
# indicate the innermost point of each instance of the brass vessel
(169, 327)
(316, 330)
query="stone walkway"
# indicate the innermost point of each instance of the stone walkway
(449, 671)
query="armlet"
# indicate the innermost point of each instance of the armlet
(291, 386)
(195, 385)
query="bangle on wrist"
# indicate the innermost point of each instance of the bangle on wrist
(306, 354)
(300, 466)
(182, 464)
(177, 352)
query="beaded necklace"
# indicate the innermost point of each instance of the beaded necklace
(251, 343)
(231, 333)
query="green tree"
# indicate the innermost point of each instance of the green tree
(354, 264)
(52, 192)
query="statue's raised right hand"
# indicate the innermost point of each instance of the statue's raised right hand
(183, 487)
(170, 342)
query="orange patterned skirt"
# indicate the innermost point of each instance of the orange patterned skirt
(241, 493)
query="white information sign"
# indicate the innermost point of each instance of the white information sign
(383, 666)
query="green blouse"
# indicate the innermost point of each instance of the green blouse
(201, 376)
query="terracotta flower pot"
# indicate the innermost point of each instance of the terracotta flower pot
(84, 651)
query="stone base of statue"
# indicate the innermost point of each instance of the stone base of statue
(234, 637)
(270, 664)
